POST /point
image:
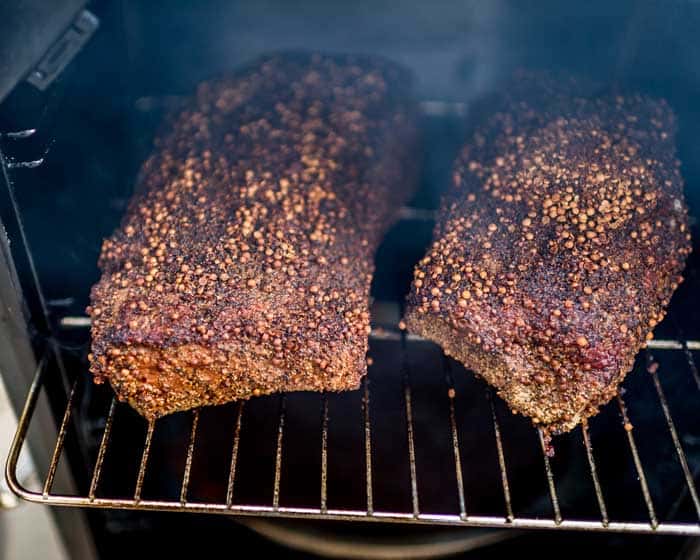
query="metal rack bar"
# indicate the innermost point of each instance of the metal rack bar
(665, 344)
(368, 444)
(188, 460)
(18, 135)
(691, 362)
(501, 460)
(674, 436)
(104, 442)
(451, 394)
(550, 479)
(25, 164)
(234, 455)
(406, 380)
(361, 515)
(324, 453)
(278, 454)
(74, 530)
(653, 521)
(411, 443)
(60, 440)
(324, 512)
(144, 461)
(594, 475)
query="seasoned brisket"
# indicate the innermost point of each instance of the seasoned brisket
(557, 250)
(243, 264)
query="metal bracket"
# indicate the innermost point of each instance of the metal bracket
(63, 50)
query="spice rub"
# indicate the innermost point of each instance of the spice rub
(558, 248)
(243, 264)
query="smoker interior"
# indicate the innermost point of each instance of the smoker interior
(72, 178)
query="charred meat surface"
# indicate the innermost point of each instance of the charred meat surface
(243, 263)
(557, 249)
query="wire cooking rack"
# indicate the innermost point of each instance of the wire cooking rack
(452, 399)
(370, 512)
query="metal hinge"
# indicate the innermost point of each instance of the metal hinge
(63, 50)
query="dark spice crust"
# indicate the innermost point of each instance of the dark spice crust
(244, 261)
(557, 250)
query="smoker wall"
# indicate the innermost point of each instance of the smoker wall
(458, 50)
